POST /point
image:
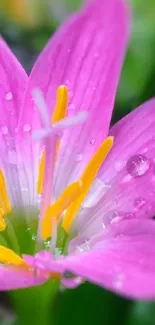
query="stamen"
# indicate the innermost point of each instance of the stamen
(71, 121)
(41, 106)
(58, 127)
(87, 179)
(61, 104)
(70, 193)
(41, 174)
(54, 234)
(58, 114)
(7, 256)
(6, 205)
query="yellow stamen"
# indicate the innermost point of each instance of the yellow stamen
(58, 114)
(41, 174)
(5, 206)
(2, 223)
(87, 179)
(70, 193)
(61, 104)
(7, 256)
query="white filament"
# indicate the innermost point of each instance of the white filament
(41, 106)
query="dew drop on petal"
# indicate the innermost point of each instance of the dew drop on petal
(139, 202)
(27, 127)
(8, 96)
(137, 165)
(108, 217)
(79, 244)
(118, 281)
(92, 141)
(71, 107)
(4, 130)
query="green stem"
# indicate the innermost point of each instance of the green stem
(34, 305)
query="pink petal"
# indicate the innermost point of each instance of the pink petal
(128, 174)
(14, 279)
(86, 55)
(123, 261)
(13, 82)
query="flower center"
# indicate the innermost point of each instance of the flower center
(65, 208)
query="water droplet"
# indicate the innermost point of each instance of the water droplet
(58, 252)
(92, 141)
(8, 96)
(78, 157)
(34, 237)
(4, 130)
(79, 244)
(118, 165)
(145, 150)
(118, 282)
(108, 217)
(94, 88)
(47, 244)
(27, 127)
(71, 107)
(137, 165)
(139, 202)
(67, 82)
(28, 229)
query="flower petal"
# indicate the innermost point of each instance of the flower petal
(122, 261)
(15, 279)
(86, 55)
(128, 174)
(13, 82)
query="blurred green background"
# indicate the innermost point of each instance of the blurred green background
(27, 25)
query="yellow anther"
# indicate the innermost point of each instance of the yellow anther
(87, 179)
(7, 256)
(70, 193)
(61, 104)
(41, 173)
(58, 114)
(5, 204)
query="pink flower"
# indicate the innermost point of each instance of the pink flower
(105, 214)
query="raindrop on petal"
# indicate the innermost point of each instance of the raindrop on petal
(8, 96)
(108, 217)
(92, 141)
(71, 107)
(4, 130)
(118, 282)
(137, 165)
(79, 244)
(27, 127)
